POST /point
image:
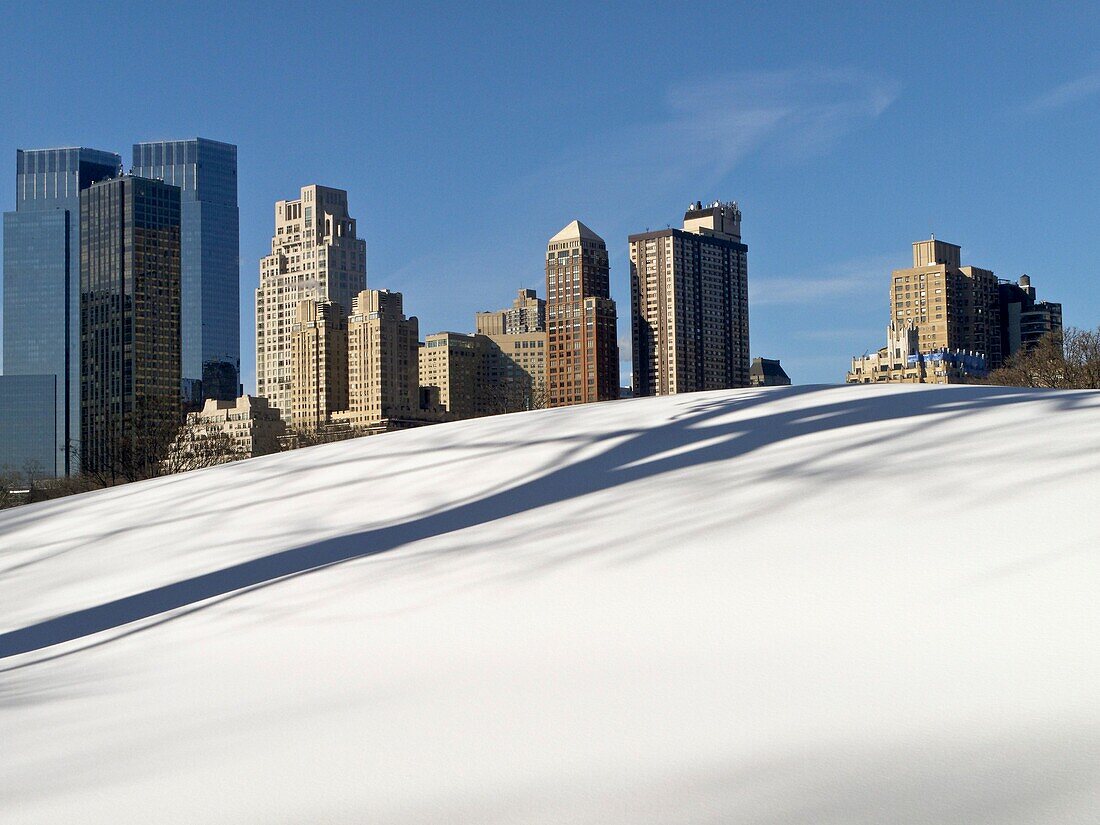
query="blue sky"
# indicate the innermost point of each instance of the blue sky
(467, 135)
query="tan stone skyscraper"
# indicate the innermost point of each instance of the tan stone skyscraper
(945, 324)
(383, 361)
(952, 307)
(582, 360)
(690, 304)
(315, 255)
(319, 354)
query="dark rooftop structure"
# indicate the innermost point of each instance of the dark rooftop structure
(766, 372)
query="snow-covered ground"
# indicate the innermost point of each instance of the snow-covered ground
(810, 604)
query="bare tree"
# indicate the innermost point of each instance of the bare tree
(11, 490)
(198, 445)
(1059, 360)
(135, 446)
(1082, 353)
(515, 393)
(298, 436)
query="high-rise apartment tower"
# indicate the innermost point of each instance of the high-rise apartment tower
(690, 304)
(315, 255)
(383, 362)
(952, 307)
(945, 322)
(582, 359)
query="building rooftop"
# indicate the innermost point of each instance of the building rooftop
(576, 230)
(767, 367)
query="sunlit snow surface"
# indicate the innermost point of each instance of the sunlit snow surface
(828, 605)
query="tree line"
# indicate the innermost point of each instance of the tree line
(1065, 360)
(158, 441)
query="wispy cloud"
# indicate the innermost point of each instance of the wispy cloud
(837, 281)
(711, 125)
(1066, 93)
(798, 112)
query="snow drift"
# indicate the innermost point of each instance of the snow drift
(809, 604)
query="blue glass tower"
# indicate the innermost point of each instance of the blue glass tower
(206, 173)
(129, 324)
(42, 277)
(28, 434)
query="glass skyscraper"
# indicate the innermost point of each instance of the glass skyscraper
(206, 173)
(28, 426)
(130, 323)
(42, 277)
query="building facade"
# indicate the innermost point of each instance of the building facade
(952, 307)
(28, 426)
(319, 353)
(383, 363)
(690, 304)
(582, 361)
(315, 255)
(527, 314)
(1024, 318)
(768, 372)
(42, 280)
(902, 362)
(945, 322)
(520, 371)
(206, 173)
(478, 375)
(252, 427)
(519, 335)
(129, 320)
(463, 367)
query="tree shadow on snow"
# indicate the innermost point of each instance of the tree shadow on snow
(696, 436)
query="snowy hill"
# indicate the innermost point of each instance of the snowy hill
(810, 604)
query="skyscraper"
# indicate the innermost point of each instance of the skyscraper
(952, 307)
(945, 322)
(28, 413)
(383, 362)
(583, 354)
(130, 323)
(315, 255)
(42, 278)
(319, 350)
(206, 173)
(690, 304)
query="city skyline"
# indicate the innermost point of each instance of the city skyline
(833, 167)
(655, 310)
